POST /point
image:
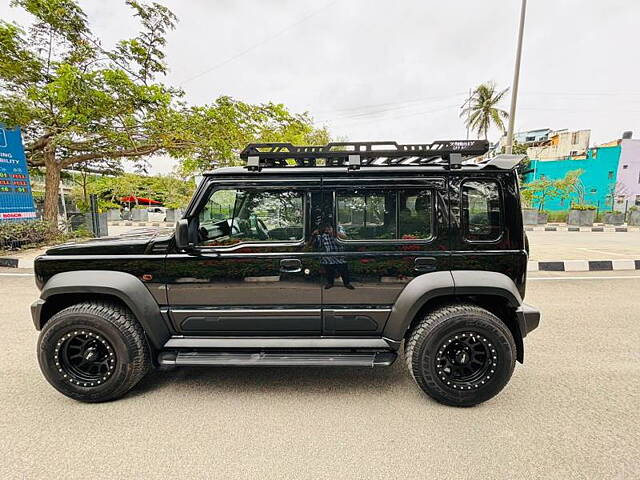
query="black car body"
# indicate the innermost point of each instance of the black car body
(288, 262)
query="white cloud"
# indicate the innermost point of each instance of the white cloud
(378, 70)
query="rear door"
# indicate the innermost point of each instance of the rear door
(388, 231)
(487, 224)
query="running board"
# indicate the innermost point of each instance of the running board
(266, 359)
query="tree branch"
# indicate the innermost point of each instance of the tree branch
(132, 152)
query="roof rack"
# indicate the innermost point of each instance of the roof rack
(354, 155)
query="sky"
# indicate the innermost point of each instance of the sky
(381, 70)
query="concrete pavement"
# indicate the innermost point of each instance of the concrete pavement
(552, 246)
(570, 412)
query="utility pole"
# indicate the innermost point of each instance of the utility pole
(467, 102)
(516, 80)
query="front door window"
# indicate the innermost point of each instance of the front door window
(236, 216)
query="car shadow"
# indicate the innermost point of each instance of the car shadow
(281, 380)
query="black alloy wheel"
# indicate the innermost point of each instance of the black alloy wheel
(84, 357)
(466, 361)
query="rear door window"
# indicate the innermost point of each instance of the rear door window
(368, 214)
(481, 210)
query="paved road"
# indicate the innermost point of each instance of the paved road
(584, 245)
(570, 412)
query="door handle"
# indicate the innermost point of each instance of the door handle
(290, 265)
(424, 264)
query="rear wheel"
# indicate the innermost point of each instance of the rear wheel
(94, 351)
(461, 354)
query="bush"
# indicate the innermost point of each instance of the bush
(33, 233)
(557, 217)
(582, 207)
(15, 235)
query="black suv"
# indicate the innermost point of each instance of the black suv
(331, 255)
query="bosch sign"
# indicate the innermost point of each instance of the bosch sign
(16, 200)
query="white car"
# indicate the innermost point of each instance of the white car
(157, 214)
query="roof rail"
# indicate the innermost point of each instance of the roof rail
(354, 155)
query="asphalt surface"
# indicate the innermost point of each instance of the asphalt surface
(547, 246)
(572, 411)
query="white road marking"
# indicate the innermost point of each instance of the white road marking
(16, 274)
(603, 251)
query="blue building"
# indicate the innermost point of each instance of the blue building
(599, 177)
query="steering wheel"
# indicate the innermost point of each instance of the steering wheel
(263, 230)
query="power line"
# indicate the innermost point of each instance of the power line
(381, 112)
(376, 105)
(397, 117)
(258, 44)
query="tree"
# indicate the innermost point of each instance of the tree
(482, 111)
(217, 132)
(571, 185)
(172, 191)
(540, 191)
(543, 189)
(80, 104)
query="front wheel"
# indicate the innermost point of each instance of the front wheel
(461, 354)
(93, 351)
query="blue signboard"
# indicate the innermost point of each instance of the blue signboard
(16, 200)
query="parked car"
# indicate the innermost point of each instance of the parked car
(157, 214)
(341, 255)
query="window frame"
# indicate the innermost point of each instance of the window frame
(464, 222)
(396, 189)
(256, 243)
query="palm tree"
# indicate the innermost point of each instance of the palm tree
(481, 109)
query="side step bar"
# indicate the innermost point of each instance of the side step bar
(267, 359)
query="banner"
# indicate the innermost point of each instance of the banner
(16, 199)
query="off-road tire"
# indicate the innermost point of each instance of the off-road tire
(111, 327)
(429, 338)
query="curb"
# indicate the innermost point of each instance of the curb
(15, 262)
(583, 265)
(581, 229)
(141, 224)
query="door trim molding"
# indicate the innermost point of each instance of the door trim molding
(181, 341)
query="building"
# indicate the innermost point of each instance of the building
(627, 188)
(560, 144)
(548, 144)
(611, 171)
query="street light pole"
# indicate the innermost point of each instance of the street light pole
(516, 80)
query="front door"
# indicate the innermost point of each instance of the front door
(377, 239)
(251, 272)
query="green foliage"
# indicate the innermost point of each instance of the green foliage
(582, 207)
(543, 189)
(80, 104)
(539, 191)
(527, 196)
(482, 110)
(17, 235)
(172, 191)
(214, 134)
(557, 217)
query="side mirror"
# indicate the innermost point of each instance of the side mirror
(182, 234)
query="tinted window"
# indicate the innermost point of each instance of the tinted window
(414, 214)
(385, 214)
(234, 216)
(481, 210)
